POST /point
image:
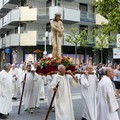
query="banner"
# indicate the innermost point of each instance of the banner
(116, 53)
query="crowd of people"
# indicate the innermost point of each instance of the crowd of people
(98, 95)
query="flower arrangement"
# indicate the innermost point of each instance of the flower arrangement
(47, 61)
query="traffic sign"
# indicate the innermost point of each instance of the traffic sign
(7, 50)
(118, 40)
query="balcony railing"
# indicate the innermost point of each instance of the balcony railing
(5, 1)
(87, 15)
(1, 23)
(43, 11)
(40, 36)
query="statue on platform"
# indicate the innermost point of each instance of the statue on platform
(57, 30)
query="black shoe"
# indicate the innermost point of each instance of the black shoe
(42, 99)
(83, 118)
(53, 109)
(14, 98)
(2, 116)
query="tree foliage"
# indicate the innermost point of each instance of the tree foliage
(77, 38)
(110, 9)
(102, 40)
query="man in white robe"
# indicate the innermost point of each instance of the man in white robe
(37, 86)
(49, 79)
(41, 80)
(42, 89)
(21, 74)
(29, 93)
(15, 75)
(88, 94)
(63, 100)
(107, 105)
(5, 91)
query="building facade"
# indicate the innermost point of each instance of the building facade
(25, 28)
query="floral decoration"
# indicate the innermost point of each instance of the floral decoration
(47, 61)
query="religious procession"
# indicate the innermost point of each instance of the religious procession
(99, 99)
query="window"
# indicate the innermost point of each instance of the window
(48, 27)
(7, 33)
(57, 2)
(82, 27)
(48, 3)
(83, 7)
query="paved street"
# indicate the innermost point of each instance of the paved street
(40, 113)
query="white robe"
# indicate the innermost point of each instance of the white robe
(37, 90)
(15, 82)
(5, 92)
(42, 90)
(49, 92)
(29, 93)
(63, 100)
(88, 92)
(106, 104)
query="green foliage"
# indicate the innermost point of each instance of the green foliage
(78, 39)
(103, 39)
(110, 9)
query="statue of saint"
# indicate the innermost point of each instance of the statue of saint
(57, 30)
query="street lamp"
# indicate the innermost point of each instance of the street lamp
(44, 39)
(45, 52)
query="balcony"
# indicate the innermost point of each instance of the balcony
(9, 4)
(0, 23)
(43, 15)
(100, 19)
(22, 14)
(25, 39)
(10, 40)
(71, 16)
(40, 38)
(85, 1)
(28, 39)
(87, 17)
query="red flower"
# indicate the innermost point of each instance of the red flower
(48, 63)
(48, 58)
(62, 60)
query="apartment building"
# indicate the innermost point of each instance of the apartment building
(25, 28)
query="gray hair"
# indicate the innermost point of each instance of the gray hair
(60, 66)
(107, 69)
(6, 65)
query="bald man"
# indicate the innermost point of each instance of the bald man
(63, 100)
(107, 105)
(88, 94)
